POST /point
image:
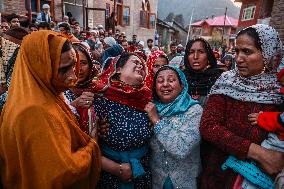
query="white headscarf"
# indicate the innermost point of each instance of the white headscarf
(110, 41)
(262, 88)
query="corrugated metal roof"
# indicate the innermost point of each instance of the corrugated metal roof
(218, 21)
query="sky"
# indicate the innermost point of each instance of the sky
(237, 4)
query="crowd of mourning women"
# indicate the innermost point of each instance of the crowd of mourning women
(89, 110)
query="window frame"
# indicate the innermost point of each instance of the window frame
(146, 24)
(122, 19)
(107, 10)
(119, 14)
(251, 15)
(149, 21)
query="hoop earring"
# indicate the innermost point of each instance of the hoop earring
(263, 70)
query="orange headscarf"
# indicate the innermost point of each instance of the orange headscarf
(71, 37)
(41, 144)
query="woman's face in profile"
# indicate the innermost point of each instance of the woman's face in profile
(249, 60)
(66, 73)
(84, 67)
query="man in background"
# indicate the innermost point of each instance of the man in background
(44, 15)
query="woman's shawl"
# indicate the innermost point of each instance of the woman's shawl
(262, 88)
(41, 143)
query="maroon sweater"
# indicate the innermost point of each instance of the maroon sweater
(226, 131)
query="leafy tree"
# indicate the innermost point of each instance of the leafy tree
(170, 17)
(179, 19)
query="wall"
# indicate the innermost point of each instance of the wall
(97, 16)
(164, 36)
(134, 28)
(18, 7)
(277, 17)
(181, 35)
(77, 12)
(258, 3)
(14, 6)
(57, 10)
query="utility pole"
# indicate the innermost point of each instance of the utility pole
(29, 6)
(189, 28)
(84, 14)
(115, 16)
(114, 7)
(225, 18)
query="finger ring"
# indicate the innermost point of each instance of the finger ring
(88, 102)
(129, 180)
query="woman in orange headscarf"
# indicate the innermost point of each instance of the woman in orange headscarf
(41, 144)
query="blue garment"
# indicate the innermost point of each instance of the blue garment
(42, 18)
(281, 119)
(70, 97)
(281, 66)
(249, 171)
(175, 150)
(132, 157)
(181, 104)
(129, 130)
(91, 43)
(113, 51)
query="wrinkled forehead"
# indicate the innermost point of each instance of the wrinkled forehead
(135, 58)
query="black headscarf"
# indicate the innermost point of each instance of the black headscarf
(200, 83)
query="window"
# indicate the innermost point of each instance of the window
(35, 6)
(197, 31)
(70, 1)
(1, 6)
(152, 21)
(144, 19)
(107, 10)
(248, 13)
(74, 2)
(79, 2)
(122, 13)
(126, 16)
(147, 19)
(119, 14)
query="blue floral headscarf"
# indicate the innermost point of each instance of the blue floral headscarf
(181, 104)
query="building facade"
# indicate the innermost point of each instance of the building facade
(277, 17)
(255, 12)
(169, 32)
(133, 16)
(30, 8)
(268, 12)
(216, 29)
(166, 34)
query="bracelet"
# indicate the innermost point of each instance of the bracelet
(120, 169)
(157, 122)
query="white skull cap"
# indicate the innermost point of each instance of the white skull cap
(45, 6)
